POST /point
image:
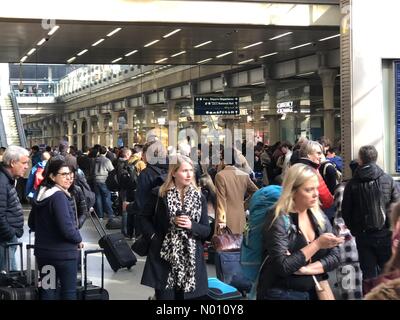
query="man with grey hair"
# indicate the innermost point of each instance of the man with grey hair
(15, 163)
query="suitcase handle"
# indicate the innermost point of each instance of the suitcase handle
(101, 233)
(84, 257)
(7, 247)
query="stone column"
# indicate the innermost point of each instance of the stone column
(88, 133)
(100, 128)
(79, 133)
(70, 124)
(115, 128)
(130, 113)
(328, 77)
(273, 121)
(258, 119)
(173, 111)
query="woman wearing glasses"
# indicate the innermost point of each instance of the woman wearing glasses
(57, 238)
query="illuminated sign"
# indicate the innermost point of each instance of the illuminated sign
(216, 106)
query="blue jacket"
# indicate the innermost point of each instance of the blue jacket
(29, 190)
(53, 220)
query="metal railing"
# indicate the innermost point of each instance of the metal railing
(3, 137)
(18, 121)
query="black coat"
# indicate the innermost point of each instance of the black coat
(283, 237)
(155, 273)
(11, 213)
(352, 215)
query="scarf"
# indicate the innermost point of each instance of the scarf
(178, 247)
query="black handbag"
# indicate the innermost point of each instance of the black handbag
(141, 246)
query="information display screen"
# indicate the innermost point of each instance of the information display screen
(216, 106)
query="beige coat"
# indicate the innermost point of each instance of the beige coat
(232, 186)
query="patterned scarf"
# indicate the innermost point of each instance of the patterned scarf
(178, 248)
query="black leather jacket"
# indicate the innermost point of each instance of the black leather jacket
(284, 237)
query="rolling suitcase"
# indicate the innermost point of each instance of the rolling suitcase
(87, 291)
(118, 253)
(19, 285)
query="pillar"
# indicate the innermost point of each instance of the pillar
(79, 133)
(100, 129)
(89, 132)
(172, 123)
(130, 113)
(273, 122)
(115, 128)
(328, 77)
(70, 124)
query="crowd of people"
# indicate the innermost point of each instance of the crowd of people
(310, 215)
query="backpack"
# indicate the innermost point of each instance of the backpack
(112, 182)
(371, 205)
(339, 175)
(80, 180)
(128, 176)
(252, 246)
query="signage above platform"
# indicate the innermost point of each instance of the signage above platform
(223, 106)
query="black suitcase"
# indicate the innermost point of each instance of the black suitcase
(88, 291)
(118, 253)
(19, 285)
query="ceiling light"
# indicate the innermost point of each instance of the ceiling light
(205, 60)
(97, 42)
(82, 52)
(252, 45)
(302, 45)
(202, 44)
(305, 74)
(245, 61)
(130, 53)
(31, 51)
(71, 59)
(53, 30)
(41, 42)
(23, 58)
(161, 60)
(171, 33)
(116, 60)
(113, 32)
(331, 37)
(151, 43)
(281, 35)
(268, 55)
(178, 54)
(224, 54)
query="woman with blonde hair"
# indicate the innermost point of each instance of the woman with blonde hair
(298, 240)
(175, 221)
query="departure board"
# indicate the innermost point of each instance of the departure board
(397, 101)
(216, 106)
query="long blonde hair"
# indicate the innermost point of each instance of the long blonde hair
(294, 178)
(175, 163)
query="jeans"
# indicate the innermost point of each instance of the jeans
(285, 294)
(373, 252)
(60, 285)
(13, 262)
(103, 200)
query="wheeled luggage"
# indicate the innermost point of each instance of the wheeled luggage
(218, 290)
(118, 253)
(89, 291)
(19, 285)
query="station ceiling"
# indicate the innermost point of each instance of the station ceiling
(241, 44)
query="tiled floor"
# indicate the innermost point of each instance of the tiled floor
(121, 285)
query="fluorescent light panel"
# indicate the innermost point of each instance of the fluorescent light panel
(97, 42)
(53, 30)
(31, 51)
(281, 35)
(71, 59)
(161, 60)
(41, 42)
(203, 44)
(82, 52)
(113, 32)
(301, 45)
(116, 60)
(245, 61)
(205, 60)
(171, 33)
(224, 54)
(131, 53)
(178, 54)
(24, 58)
(151, 43)
(268, 55)
(331, 37)
(305, 74)
(252, 45)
